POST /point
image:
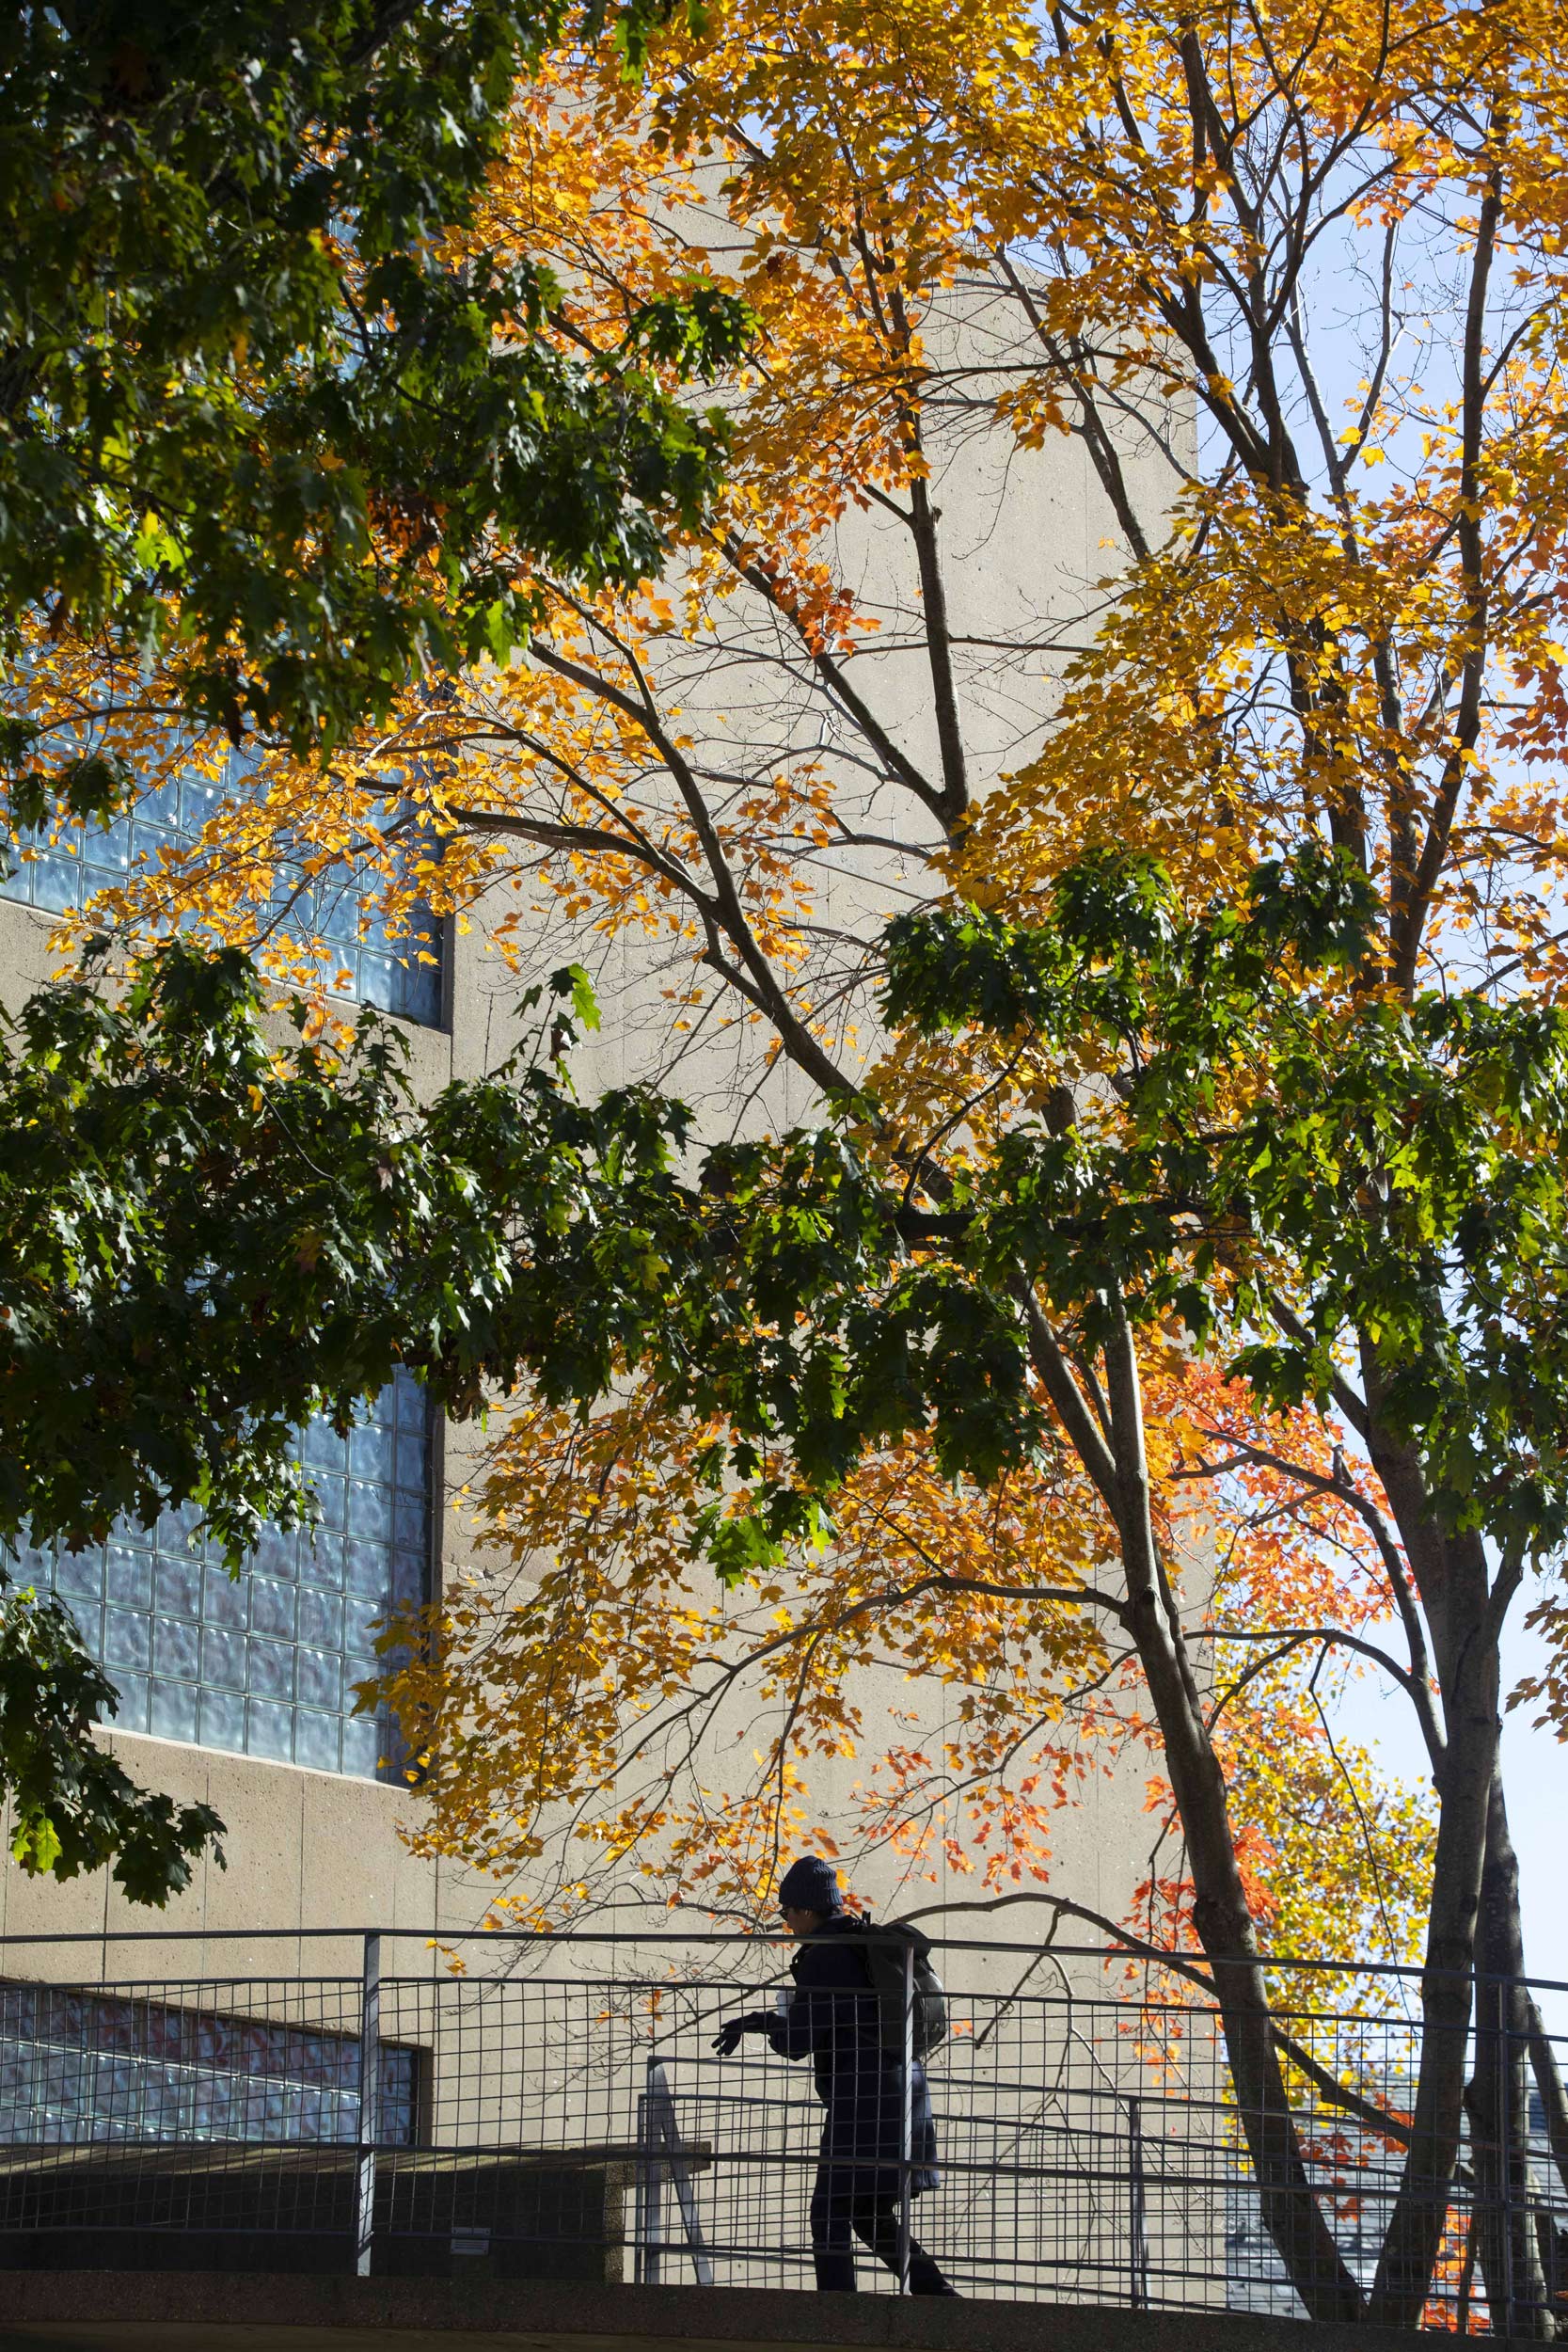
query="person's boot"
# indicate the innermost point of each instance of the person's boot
(924, 2278)
(835, 2271)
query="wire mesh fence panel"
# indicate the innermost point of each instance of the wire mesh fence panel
(213, 2106)
(681, 2111)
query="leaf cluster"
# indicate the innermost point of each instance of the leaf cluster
(73, 1806)
(1276, 1150)
(1263, 1147)
(208, 1233)
(258, 409)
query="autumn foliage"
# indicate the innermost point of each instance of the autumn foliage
(1284, 290)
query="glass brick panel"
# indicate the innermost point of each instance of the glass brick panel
(91, 2066)
(400, 976)
(264, 1664)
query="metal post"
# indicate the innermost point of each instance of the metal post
(650, 2179)
(640, 2221)
(369, 2104)
(680, 2174)
(905, 2123)
(1137, 2208)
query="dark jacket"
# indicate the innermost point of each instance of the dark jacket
(834, 2019)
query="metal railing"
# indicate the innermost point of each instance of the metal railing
(554, 2107)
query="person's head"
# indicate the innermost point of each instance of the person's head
(808, 1894)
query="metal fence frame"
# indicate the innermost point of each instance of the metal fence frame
(1141, 2139)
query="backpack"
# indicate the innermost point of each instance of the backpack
(885, 1949)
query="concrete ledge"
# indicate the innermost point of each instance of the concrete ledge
(197, 2311)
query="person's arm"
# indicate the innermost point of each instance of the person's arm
(789, 2031)
(794, 2031)
(829, 1982)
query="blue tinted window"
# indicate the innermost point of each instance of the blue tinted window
(266, 1666)
(368, 964)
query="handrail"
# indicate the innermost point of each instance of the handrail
(1410, 1971)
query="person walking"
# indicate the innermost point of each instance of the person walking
(835, 2018)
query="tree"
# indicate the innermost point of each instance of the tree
(261, 417)
(991, 238)
(269, 418)
(207, 1237)
(1259, 1150)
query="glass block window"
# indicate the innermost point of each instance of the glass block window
(107, 2066)
(266, 1666)
(381, 971)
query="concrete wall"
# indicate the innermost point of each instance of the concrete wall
(117, 2311)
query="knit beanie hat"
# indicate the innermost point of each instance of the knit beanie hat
(811, 1884)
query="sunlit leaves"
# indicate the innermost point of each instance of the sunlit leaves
(264, 421)
(1267, 1136)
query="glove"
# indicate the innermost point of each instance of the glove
(727, 2040)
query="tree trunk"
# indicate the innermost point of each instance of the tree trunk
(1415, 2231)
(1291, 2211)
(1496, 2101)
(1551, 2237)
(1450, 1572)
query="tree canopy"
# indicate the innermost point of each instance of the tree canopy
(273, 419)
(270, 412)
(1235, 1025)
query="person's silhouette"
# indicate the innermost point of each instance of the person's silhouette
(834, 2017)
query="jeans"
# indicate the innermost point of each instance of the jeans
(840, 2212)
